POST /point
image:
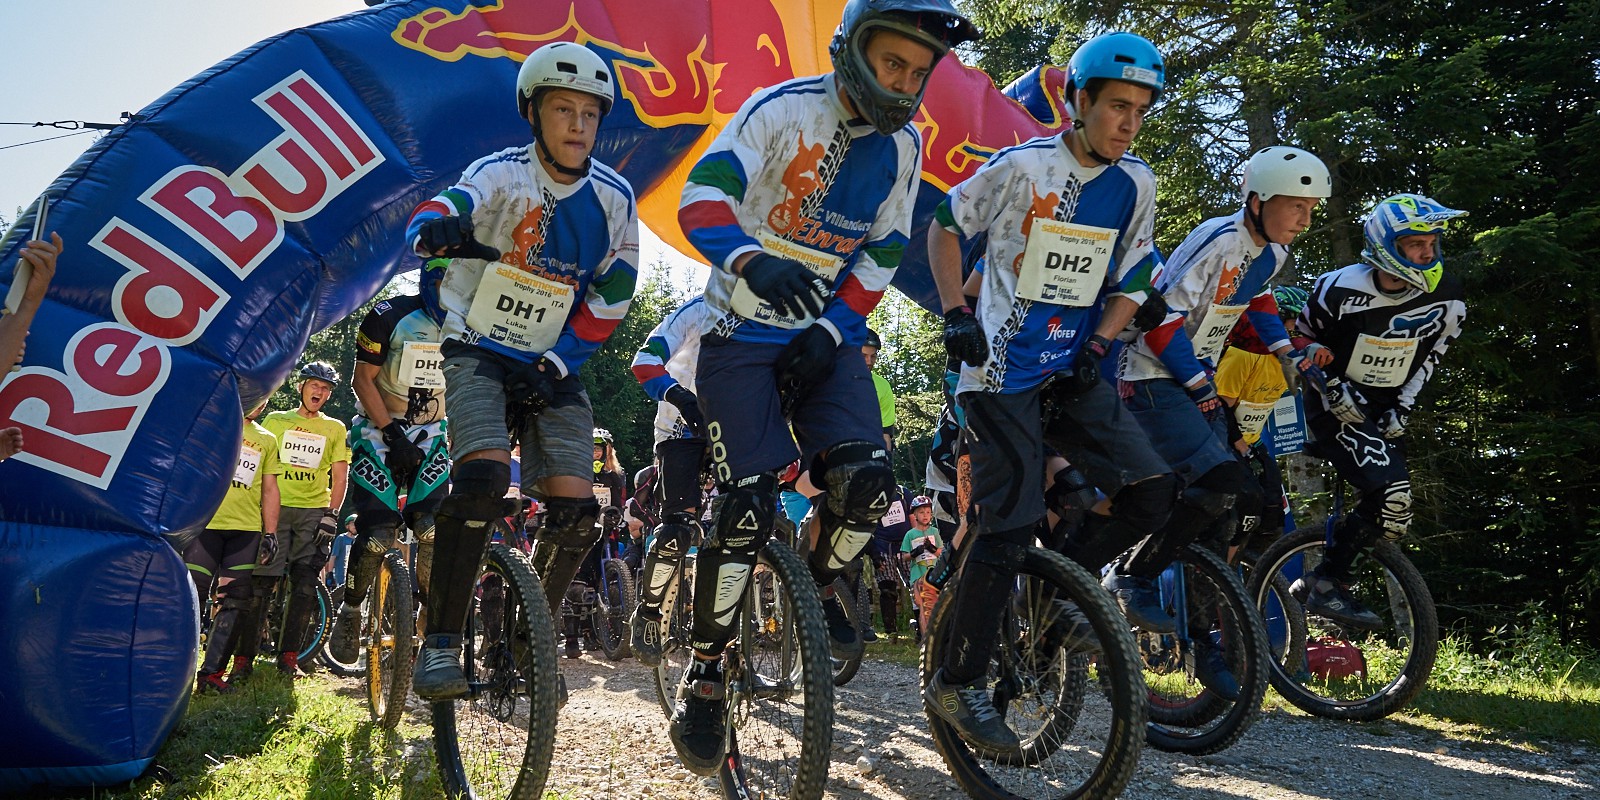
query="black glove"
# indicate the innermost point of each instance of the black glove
(808, 358)
(268, 550)
(610, 518)
(533, 383)
(688, 406)
(1205, 398)
(793, 290)
(404, 455)
(328, 526)
(1085, 372)
(1152, 312)
(964, 339)
(451, 237)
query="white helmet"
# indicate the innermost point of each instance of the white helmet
(1287, 171)
(564, 65)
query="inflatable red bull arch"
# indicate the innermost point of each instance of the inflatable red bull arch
(263, 200)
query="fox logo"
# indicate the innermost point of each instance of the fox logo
(1418, 324)
(1369, 450)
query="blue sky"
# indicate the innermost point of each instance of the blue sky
(94, 59)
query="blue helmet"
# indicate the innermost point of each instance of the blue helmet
(429, 282)
(1118, 56)
(1406, 215)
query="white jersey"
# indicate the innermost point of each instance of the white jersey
(669, 357)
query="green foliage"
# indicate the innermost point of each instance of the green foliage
(337, 346)
(620, 405)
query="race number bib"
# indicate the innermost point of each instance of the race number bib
(1213, 332)
(302, 449)
(602, 495)
(421, 366)
(519, 310)
(1065, 263)
(1376, 361)
(895, 515)
(745, 302)
(1252, 417)
(249, 463)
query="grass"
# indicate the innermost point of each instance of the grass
(314, 739)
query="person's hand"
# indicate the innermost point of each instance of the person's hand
(328, 527)
(533, 383)
(1306, 367)
(10, 442)
(688, 406)
(1392, 425)
(1345, 401)
(42, 256)
(452, 237)
(1152, 312)
(808, 358)
(1085, 371)
(611, 517)
(964, 339)
(268, 551)
(1205, 398)
(404, 455)
(1319, 355)
(787, 285)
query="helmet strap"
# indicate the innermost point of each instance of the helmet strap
(544, 150)
(1254, 218)
(1083, 138)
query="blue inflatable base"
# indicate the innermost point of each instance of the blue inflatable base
(97, 654)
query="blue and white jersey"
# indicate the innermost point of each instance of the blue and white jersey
(791, 176)
(568, 263)
(669, 357)
(1216, 277)
(1062, 238)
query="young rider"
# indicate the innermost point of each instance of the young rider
(1033, 352)
(665, 366)
(226, 550)
(1222, 272)
(1386, 322)
(802, 205)
(316, 463)
(562, 231)
(397, 442)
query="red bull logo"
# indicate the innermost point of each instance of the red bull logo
(964, 121)
(682, 65)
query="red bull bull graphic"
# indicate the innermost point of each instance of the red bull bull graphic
(266, 199)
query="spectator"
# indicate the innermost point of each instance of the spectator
(14, 327)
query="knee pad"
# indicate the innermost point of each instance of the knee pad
(673, 537)
(743, 514)
(1145, 506)
(303, 579)
(569, 522)
(1394, 513)
(839, 542)
(1070, 491)
(1002, 550)
(423, 526)
(376, 539)
(678, 476)
(480, 477)
(235, 593)
(859, 481)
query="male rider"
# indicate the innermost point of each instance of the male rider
(316, 462)
(802, 205)
(1386, 321)
(397, 442)
(1070, 254)
(524, 309)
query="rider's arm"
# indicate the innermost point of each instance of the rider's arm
(708, 211)
(879, 255)
(1263, 316)
(476, 189)
(968, 209)
(269, 503)
(609, 294)
(1430, 360)
(367, 392)
(650, 363)
(339, 474)
(1136, 261)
